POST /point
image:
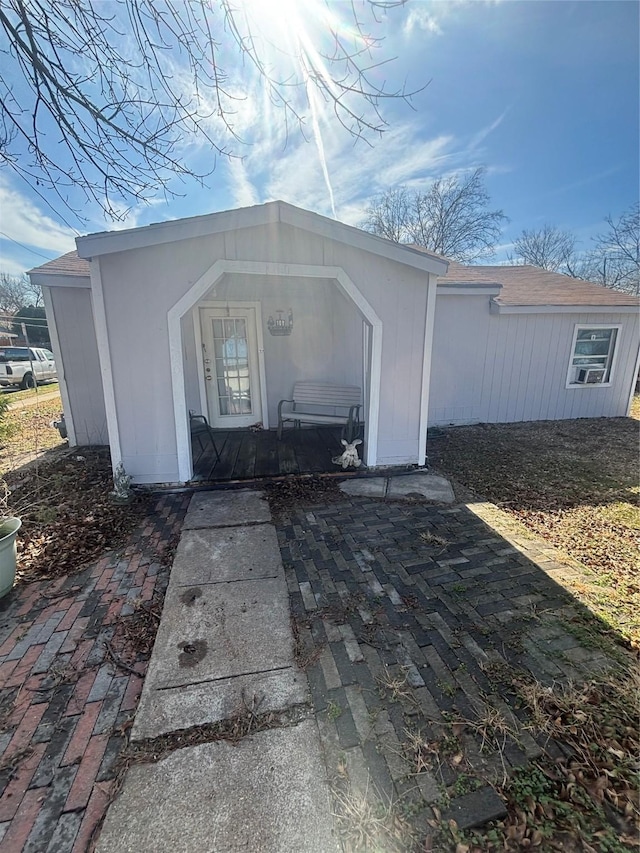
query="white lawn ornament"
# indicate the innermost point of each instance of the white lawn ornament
(349, 456)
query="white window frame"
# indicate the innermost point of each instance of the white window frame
(613, 357)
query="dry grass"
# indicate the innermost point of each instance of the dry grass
(367, 825)
(434, 539)
(13, 396)
(395, 687)
(576, 484)
(26, 432)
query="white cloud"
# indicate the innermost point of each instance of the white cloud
(12, 267)
(244, 192)
(428, 16)
(356, 171)
(25, 223)
(420, 18)
(478, 138)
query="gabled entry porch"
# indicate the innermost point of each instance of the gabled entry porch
(246, 454)
(242, 337)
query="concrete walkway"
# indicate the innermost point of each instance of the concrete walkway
(225, 648)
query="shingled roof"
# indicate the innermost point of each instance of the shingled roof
(527, 285)
(520, 285)
(69, 264)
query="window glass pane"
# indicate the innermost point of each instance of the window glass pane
(14, 354)
(594, 334)
(590, 360)
(232, 365)
(599, 347)
(593, 348)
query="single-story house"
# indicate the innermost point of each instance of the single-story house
(7, 338)
(222, 314)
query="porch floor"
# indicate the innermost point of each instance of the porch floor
(245, 455)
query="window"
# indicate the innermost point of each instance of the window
(592, 355)
(13, 354)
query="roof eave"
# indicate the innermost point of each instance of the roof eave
(57, 279)
(95, 245)
(469, 288)
(574, 308)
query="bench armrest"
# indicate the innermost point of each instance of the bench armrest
(280, 422)
(280, 404)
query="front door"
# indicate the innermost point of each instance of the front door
(230, 356)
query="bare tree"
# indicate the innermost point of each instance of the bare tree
(102, 96)
(548, 247)
(615, 260)
(15, 292)
(452, 218)
(390, 214)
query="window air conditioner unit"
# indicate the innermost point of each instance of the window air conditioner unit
(590, 375)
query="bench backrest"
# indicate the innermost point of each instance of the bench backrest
(326, 394)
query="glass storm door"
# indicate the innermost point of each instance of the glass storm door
(230, 361)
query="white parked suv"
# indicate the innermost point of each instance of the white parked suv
(16, 368)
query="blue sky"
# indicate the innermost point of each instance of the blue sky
(544, 94)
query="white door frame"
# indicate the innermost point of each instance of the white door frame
(262, 374)
(206, 281)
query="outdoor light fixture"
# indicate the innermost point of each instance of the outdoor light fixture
(280, 326)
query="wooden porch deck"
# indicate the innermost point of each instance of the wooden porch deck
(245, 455)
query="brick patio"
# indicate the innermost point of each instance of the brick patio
(409, 616)
(65, 706)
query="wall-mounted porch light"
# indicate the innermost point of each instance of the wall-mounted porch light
(280, 326)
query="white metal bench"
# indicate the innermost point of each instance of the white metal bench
(311, 400)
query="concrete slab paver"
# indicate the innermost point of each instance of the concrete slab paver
(163, 711)
(227, 554)
(372, 487)
(226, 509)
(216, 631)
(429, 486)
(264, 794)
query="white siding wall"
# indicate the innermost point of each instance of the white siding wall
(78, 356)
(140, 286)
(498, 368)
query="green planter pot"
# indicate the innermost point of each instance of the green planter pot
(8, 531)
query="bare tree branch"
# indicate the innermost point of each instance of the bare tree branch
(103, 96)
(452, 218)
(548, 247)
(614, 260)
(17, 291)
